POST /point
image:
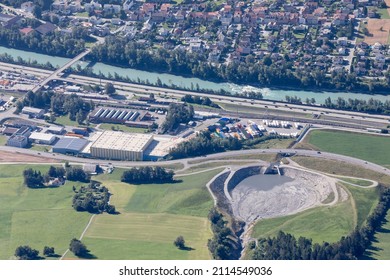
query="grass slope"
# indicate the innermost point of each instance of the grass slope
(188, 197)
(340, 168)
(319, 224)
(35, 217)
(364, 146)
(365, 199)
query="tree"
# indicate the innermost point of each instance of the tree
(78, 248)
(77, 174)
(26, 253)
(19, 107)
(109, 89)
(33, 179)
(37, 12)
(52, 172)
(179, 242)
(123, 15)
(48, 251)
(52, 118)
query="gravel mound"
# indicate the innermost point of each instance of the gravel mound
(301, 190)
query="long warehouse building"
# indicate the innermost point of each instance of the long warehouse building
(121, 146)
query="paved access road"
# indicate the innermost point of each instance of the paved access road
(298, 152)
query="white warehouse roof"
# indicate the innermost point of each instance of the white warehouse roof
(39, 136)
(116, 140)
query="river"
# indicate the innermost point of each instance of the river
(151, 77)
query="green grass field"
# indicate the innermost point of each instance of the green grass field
(383, 13)
(380, 248)
(64, 120)
(189, 197)
(364, 146)
(151, 217)
(320, 224)
(3, 140)
(147, 236)
(40, 148)
(37, 217)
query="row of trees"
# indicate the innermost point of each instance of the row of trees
(77, 174)
(147, 175)
(252, 71)
(55, 43)
(223, 245)
(177, 114)
(33, 179)
(199, 100)
(36, 179)
(93, 198)
(204, 144)
(27, 253)
(287, 247)
(372, 105)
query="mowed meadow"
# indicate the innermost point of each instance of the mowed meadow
(150, 219)
(36, 217)
(373, 148)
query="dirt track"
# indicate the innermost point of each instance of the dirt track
(16, 157)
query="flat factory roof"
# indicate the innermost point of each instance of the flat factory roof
(41, 136)
(116, 140)
(55, 128)
(73, 143)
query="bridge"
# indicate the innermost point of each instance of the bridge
(57, 73)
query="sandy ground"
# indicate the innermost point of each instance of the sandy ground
(379, 28)
(15, 157)
(305, 191)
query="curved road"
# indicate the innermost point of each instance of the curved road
(310, 153)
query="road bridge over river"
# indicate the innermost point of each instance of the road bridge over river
(58, 73)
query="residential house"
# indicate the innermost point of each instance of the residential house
(46, 28)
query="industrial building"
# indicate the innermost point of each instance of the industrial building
(70, 145)
(20, 138)
(42, 138)
(121, 146)
(33, 112)
(56, 130)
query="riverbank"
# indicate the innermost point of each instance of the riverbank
(179, 82)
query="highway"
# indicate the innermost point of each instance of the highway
(326, 116)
